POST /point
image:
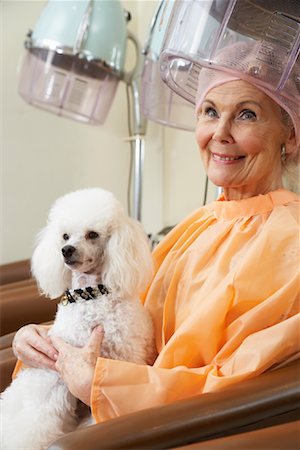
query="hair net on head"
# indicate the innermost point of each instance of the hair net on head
(242, 61)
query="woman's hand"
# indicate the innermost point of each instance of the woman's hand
(76, 365)
(33, 347)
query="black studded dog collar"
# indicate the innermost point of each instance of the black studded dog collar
(89, 293)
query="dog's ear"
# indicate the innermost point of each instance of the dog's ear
(47, 265)
(128, 263)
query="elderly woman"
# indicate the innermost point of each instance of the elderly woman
(225, 296)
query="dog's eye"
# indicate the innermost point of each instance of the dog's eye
(92, 235)
(65, 237)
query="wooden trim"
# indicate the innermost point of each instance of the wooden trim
(15, 271)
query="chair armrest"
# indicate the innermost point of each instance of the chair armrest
(279, 437)
(272, 396)
(7, 364)
(15, 271)
(7, 359)
(6, 340)
(21, 303)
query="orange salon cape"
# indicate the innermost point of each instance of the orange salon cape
(225, 302)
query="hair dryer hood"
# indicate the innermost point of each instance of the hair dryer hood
(159, 102)
(201, 34)
(75, 58)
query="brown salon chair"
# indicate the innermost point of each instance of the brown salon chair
(263, 410)
(12, 272)
(268, 400)
(20, 301)
(20, 304)
(279, 437)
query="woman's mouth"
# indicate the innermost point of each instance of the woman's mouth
(226, 159)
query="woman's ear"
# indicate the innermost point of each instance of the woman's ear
(291, 144)
(47, 265)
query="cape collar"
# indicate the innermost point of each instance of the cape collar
(234, 209)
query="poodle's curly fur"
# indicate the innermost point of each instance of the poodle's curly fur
(88, 240)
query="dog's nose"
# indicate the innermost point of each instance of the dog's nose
(68, 251)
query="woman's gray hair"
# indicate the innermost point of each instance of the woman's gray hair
(286, 118)
(291, 177)
(291, 168)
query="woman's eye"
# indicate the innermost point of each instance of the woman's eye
(92, 235)
(247, 114)
(210, 112)
(66, 237)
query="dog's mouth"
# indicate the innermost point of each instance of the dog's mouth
(90, 271)
(72, 262)
(85, 266)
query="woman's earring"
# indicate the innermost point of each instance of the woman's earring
(283, 153)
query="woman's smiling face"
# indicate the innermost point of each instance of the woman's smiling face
(240, 132)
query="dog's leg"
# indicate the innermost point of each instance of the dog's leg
(36, 409)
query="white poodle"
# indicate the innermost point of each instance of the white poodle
(99, 258)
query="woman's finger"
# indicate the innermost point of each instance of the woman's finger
(33, 341)
(59, 344)
(95, 340)
(31, 346)
(30, 357)
(43, 346)
(42, 360)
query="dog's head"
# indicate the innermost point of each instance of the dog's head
(89, 232)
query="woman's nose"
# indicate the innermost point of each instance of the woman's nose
(222, 132)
